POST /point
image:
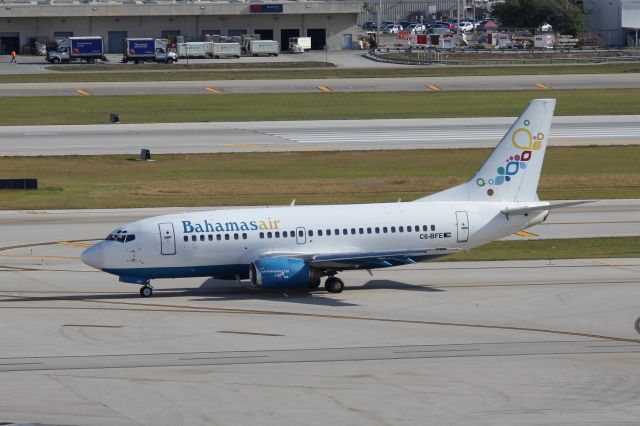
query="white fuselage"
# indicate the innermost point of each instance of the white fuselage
(223, 243)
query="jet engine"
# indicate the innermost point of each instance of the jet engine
(280, 273)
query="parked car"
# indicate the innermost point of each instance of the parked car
(466, 26)
(546, 27)
(416, 28)
(392, 29)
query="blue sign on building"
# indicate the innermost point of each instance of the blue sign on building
(266, 8)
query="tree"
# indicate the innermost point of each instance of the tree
(563, 15)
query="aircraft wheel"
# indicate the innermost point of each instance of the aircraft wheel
(146, 291)
(334, 285)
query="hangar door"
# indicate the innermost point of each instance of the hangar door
(265, 34)
(116, 41)
(318, 38)
(284, 38)
(9, 42)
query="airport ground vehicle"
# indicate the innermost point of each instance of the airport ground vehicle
(260, 47)
(225, 50)
(76, 49)
(140, 50)
(299, 44)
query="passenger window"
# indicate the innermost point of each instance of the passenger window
(345, 231)
(226, 237)
(353, 231)
(284, 234)
(219, 237)
(262, 235)
(409, 228)
(337, 232)
(210, 237)
(400, 228)
(193, 238)
(361, 230)
(384, 229)
(368, 230)
(269, 234)
(425, 228)
(417, 228)
(393, 229)
(328, 232)
(186, 238)
(319, 232)
(277, 233)
(300, 234)
(377, 230)
(201, 237)
(293, 234)
(433, 227)
(310, 232)
(236, 236)
(244, 235)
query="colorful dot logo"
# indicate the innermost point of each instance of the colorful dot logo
(524, 141)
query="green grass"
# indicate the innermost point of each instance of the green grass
(173, 73)
(580, 248)
(304, 106)
(310, 177)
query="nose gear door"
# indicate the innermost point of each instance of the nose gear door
(167, 239)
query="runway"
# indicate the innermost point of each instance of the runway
(389, 84)
(304, 135)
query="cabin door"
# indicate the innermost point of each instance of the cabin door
(167, 238)
(463, 226)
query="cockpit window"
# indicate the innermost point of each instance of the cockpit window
(120, 236)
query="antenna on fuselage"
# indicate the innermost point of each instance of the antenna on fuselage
(293, 203)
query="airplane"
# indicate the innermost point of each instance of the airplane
(295, 247)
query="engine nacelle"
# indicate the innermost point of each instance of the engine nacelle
(277, 273)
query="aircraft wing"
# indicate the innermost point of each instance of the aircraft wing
(540, 208)
(367, 260)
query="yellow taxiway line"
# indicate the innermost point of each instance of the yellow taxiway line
(212, 90)
(433, 87)
(542, 86)
(325, 89)
(82, 92)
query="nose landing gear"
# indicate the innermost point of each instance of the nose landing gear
(146, 291)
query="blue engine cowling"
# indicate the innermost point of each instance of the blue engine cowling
(280, 273)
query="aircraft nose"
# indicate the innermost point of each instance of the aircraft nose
(93, 256)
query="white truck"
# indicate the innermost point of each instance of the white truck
(77, 49)
(260, 47)
(299, 44)
(225, 50)
(140, 50)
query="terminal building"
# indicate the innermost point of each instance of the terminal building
(330, 23)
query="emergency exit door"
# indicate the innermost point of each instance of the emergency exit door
(167, 238)
(463, 226)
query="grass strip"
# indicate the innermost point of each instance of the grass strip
(191, 73)
(323, 177)
(305, 106)
(577, 248)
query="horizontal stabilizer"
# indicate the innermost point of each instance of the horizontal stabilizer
(541, 208)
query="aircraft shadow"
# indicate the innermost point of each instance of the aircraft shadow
(219, 290)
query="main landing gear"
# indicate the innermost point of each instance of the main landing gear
(334, 284)
(146, 291)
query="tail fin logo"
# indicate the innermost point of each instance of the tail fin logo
(524, 140)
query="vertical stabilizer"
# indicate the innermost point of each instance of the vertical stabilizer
(512, 171)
